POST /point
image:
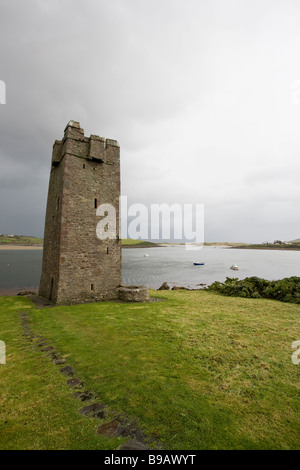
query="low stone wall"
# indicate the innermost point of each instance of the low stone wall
(133, 293)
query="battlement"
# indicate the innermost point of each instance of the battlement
(77, 144)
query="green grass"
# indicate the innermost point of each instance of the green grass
(20, 240)
(138, 243)
(25, 240)
(198, 371)
(283, 246)
(257, 246)
(37, 409)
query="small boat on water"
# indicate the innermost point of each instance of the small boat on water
(199, 264)
(146, 255)
(234, 267)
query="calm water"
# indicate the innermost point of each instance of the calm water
(175, 265)
(21, 269)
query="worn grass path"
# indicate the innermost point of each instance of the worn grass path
(37, 409)
(198, 371)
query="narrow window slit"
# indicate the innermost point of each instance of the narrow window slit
(92, 287)
(96, 204)
(51, 288)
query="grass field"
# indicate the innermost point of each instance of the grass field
(129, 242)
(198, 371)
(283, 246)
(20, 240)
(24, 240)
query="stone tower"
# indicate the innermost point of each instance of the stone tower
(77, 265)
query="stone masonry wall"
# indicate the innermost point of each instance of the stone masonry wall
(50, 270)
(77, 266)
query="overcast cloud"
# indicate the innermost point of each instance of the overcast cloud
(203, 97)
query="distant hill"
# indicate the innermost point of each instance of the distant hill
(295, 241)
(24, 240)
(130, 243)
(20, 240)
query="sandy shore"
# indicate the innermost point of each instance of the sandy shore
(20, 247)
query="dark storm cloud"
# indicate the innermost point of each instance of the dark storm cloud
(199, 95)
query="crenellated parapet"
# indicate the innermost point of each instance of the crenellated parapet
(95, 148)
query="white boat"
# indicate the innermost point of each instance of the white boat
(146, 255)
(234, 267)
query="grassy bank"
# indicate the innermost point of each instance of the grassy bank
(293, 246)
(198, 371)
(130, 243)
(257, 246)
(20, 240)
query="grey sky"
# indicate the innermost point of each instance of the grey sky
(203, 97)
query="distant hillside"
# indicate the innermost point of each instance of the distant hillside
(295, 241)
(24, 240)
(20, 240)
(283, 246)
(223, 244)
(130, 243)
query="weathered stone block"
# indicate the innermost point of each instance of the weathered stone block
(133, 293)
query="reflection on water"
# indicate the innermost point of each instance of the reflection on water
(21, 269)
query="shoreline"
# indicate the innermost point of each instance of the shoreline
(141, 246)
(40, 247)
(21, 247)
(266, 247)
(242, 247)
(13, 291)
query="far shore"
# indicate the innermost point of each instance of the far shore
(6, 247)
(267, 247)
(21, 247)
(8, 291)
